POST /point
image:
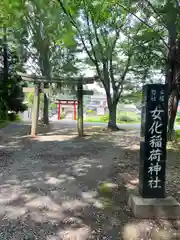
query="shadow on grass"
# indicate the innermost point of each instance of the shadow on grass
(65, 187)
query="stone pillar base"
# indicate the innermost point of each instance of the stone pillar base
(165, 208)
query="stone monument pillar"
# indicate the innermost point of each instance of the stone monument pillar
(153, 141)
(150, 200)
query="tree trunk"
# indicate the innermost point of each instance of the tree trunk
(111, 100)
(173, 104)
(112, 107)
(46, 110)
(46, 71)
(112, 116)
(171, 72)
(80, 123)
(4, 83)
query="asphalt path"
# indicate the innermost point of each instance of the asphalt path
(71, 123)
(68, 123)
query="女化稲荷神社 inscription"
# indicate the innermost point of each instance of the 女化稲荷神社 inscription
(153, 147)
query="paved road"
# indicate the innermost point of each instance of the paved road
(71, 123)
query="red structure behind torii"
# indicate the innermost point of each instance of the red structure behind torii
(74, 103)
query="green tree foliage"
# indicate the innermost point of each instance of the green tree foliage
(127, 43)
(161, 26)
(30, 99)
(47, 50)
(38, 35)
(11, 93)
(99, 27)
(134, 97)
(15, 94)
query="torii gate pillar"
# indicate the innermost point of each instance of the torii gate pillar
(74, 110)
(59, 110)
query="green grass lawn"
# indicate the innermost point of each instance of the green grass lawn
(4, 124)
(178, 119)
(177, 134)
(11, 118)
(123, 117)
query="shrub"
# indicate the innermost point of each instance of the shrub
(62, 115)
(3, 124)
(104, 118)
(13, 117)
(93, 119)
(128, 117)
(177, 134)
(53, 106)
(125, 118)
(18, 118)
(178, 119)
(90, 111)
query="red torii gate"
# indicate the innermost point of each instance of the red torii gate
(74, 103)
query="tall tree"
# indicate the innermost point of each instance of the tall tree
(99, 26)
(13, 53)
(160, 21)
(45, 31)
(173, 62)
(11, 92)
(4, 77)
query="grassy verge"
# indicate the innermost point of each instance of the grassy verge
(177, 134)
(123, 117)
(178, 119)
(11, 118)
(4, 124)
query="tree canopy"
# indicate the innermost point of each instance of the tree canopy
(126, 43)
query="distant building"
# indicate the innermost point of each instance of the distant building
(97, 101)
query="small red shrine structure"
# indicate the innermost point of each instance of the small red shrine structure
(74, 103)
